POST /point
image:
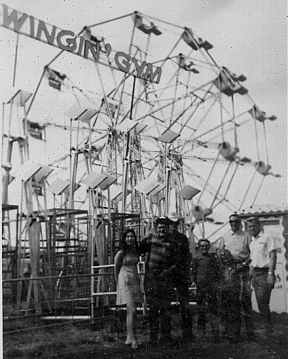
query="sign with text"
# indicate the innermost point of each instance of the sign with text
(87, 47)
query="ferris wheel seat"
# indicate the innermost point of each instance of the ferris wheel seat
(241, 78)
(227, 151)
(152, 29)
(186, 66)
(242, 90)
(204, 44)
(262, 168)
(199, 213)
(230, 90)
(194, 43)
(259, 115)
(228, 83)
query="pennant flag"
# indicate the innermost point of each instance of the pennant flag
(37, 187)
(36, 130)
(55, 78)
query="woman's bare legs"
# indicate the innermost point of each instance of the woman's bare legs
(131, 325)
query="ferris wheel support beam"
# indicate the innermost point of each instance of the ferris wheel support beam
(228, 187)
(256, 137)
(201, 120)
(167, 181)
(185, 203)
(61, 52)
(35, 93)
(221, 183)
(16, 58)
(221, 112)
(134, 104)
(171, 103)
(73, 173)
(6, 176)
(215, 63)
(168, 56)
(218, 126)
(234, 122)
(263, 178)
(209, 188)
(246, 193)
(123, 81)
(132, 37)
(217, 230)
(266, 145)
(180, 116)
(107, 21)
(207, 180)
(126, 155)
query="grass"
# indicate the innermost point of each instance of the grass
(102, 341)
(43, 342)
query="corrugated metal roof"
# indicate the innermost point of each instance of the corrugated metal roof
(265, 209)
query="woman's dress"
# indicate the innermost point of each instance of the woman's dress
(128, 288)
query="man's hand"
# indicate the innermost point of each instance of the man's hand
(270, 279)
(168, 272)
(239, 266)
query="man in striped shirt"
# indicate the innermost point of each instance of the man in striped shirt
(161, 262)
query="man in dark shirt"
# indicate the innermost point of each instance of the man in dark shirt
(182, 277)
(160, 265)
(206, 276)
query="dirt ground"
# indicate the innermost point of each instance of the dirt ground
(73, 342)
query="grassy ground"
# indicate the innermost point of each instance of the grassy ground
(102, 341)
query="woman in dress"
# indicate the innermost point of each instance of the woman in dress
(128, 282)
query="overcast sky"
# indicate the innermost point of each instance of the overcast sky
(249, 36)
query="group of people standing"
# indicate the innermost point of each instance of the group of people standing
(223, 279)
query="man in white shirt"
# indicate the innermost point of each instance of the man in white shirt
(237, 242)
(262, 269)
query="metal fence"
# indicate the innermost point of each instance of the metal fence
(68, 297)
(59, 298)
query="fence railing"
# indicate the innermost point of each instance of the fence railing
(41, 300)
(37, 302)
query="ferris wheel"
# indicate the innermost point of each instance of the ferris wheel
(148, 121)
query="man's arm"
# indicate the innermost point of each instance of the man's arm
(247, 259)
(194, 269)
(272, 266)
(219, 249)
(185, 255)
(144, 244)
(271, 244)
(251, 270)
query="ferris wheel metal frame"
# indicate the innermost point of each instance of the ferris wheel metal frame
(151, 129)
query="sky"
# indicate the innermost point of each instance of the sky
(248, 36)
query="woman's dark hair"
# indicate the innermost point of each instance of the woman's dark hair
(123, 245)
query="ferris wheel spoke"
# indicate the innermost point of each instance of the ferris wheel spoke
(187, 129)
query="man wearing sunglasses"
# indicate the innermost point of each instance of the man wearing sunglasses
(237, 242)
